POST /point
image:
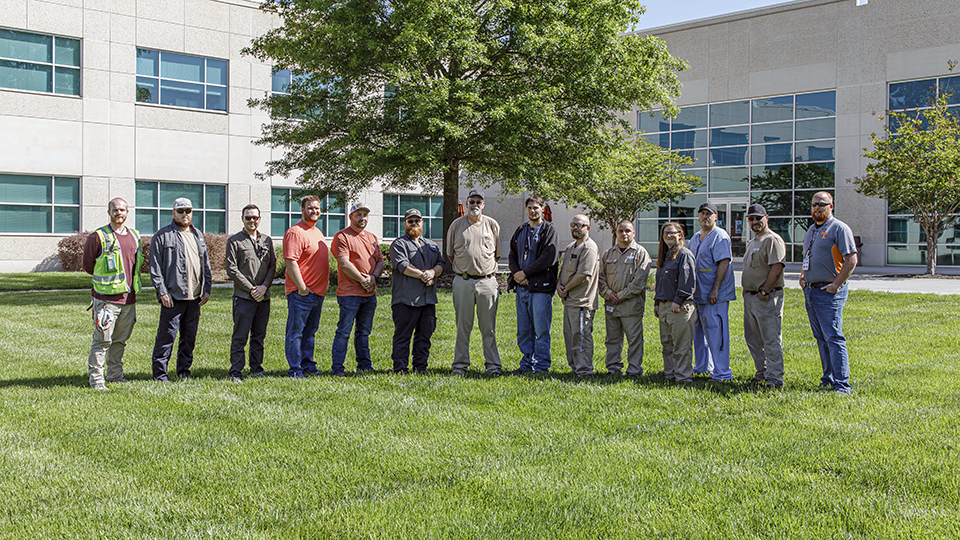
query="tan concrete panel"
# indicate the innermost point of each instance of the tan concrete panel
(70, 3)
(240, 126)
(264, 22)
(123, 58)
(34, 145)
(98, 5)
(96, 111)
(719, 89)
(161, 10)
(693, 92)
(19, 253)
(240, 169)
(124, 7)
(259, 155)
(207, 14)
(191, 120)
(122, 114)
(165, 36)
(238, 101)
(693, 47)
(54, 18)
(14, 13)
(96, 26)
(182, 156)
(921, 63)
(237, 43)
(209, 43)
(123, 29)
(790, 80)
(96, 84)
(45, 106)
(260, 78)
(873, 99)
(239, 73)
(123, 87)
(96, 54)
(96, 149)
(241, 20)
(123, 152)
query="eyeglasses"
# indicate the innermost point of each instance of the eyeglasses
(671, 233)
(751, 219)
(821, 204)
(579, 225)
(184, 210)
(251, 218)
(413, 221)
(474, 203)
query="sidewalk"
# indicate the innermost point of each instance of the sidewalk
(882, 279)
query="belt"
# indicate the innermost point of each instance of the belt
(775, 289)
(470, 276)
(820, 285)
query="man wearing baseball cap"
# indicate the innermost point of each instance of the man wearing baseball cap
(716, 287)
(181, 275)
(360, 262)
(762, 282)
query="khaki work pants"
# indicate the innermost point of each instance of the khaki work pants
(107, 348)
(481, 295)
(676, 336)
(762, 325)
(617, 327)
(578, 338)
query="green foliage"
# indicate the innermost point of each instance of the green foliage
(387, 263)
(916, 165)
(281, 262)
(70, 251)
(632, 178)
(405, 93)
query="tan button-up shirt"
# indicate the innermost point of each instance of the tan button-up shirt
(474, 248)
(583, 258)
(762, 252)
(626, 275)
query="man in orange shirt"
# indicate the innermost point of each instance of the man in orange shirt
(308, 274)
(360, 261)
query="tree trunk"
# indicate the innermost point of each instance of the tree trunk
(451, 197)
(931, 250)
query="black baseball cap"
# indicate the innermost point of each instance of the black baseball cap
(756, 210)
(712, 208)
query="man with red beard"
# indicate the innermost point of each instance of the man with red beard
(829, 257)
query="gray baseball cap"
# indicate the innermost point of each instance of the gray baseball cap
(182, 202)
(412, 212)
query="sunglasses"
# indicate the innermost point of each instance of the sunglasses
(251, 218)
(184, 210)
(579, 225)
(751, 219)
(474, 203)
(413, 221)
(820, 204)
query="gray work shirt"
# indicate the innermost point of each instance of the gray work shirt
(405, 252)
(824, 247)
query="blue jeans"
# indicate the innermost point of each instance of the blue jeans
(534, 316)
(360, 309)
(825, 312)
(303, 318)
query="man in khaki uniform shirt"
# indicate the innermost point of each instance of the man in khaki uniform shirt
(578, 291)
(623, 282)
(473, 246)
(762, 282)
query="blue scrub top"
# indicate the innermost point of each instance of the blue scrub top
(713, 249)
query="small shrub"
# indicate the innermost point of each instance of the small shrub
(145, 240)
(70, 250)
(281, 263)
(333, 269)
(216, 254)
(387, 264)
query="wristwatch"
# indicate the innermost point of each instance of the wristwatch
(762, 292)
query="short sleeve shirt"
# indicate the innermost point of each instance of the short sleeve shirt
(824, 248)
(474, 248)
(191, 259)
(306, 244)
(364, 252)
(708, 253)
(762, 252)
(581, 259)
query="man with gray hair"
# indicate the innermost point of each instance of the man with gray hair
(181, 275)
(579, 279)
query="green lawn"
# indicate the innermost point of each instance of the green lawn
(384, 456)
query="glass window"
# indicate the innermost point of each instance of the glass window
(729, 136)
(951, 85)
(815, 176)
(154, 205)
(652, 122)
(39, 204)
(725, 114)
(691, 118)
(181, 80)
(913, 94)
(772, 153)
(777, 203)
(823, 128)
(773, 109)
(683, 140)
(732, 179)
(396, 205)
(771, 177)
(817, 104)
(767, 133)
(947, 255)
(816, 151)
(734, 155)
(699, 158)
(285, 211)
(783, 227)
(39, 62)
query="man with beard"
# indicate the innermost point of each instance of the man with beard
(417, 262)
(360, 262)
(762, 282)
(181, 275)
(578, 291)
(533, 264)
(473, 246)
(623, 286)
(113, 255)
(829, 257)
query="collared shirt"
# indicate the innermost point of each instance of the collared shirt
(582, 258)
(708, 253)
(425, 255)
(474, 248)
(762, 252)
(625, 273)
(363, 249)
(191, 258)
(250, 262)
(676, 281)
(825, 246)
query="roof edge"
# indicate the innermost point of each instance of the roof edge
(736, 16)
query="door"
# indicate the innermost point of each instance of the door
(732, 217)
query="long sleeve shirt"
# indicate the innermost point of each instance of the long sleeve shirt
(676, 281)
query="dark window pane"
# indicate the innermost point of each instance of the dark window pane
(728, 136)
(146, 221)
(802, 202)
(280, 81)
(436, 207)
(652, 122)
(216, 98)
(891, 209)
(771, 177)
(280, 200)
(391, 227)
(148, 62)
(773, 109)
(823, 128)
(815, 176)
(170, 192)
(66, 81)
(687, 208)
(699, 158)
(413, 201)
(26, 76)
(147, 90)
(702, 175)
(336, 223)
(66, 52)
(684, 140)
(648, 229)
(913, 94)
(215, 222)
(772, 153)
(951, 85)
(783, 227)
(216, 72)
(733, 179)
(895, 122)
(333, 205)
(800, 226)
(767, 133)
(734, 155)
(66, 190)
(181, 94)
(691, 118)
(391, 205)
(906, 230)
(16, 188)
(216, 197)
(815, 151)
(66, 219)
(816, 105)
(279, 223)
(146, 194)
(725, 114)
(25, 219)
(948, 255)
(658, 139)
(25, 46)
(777, 203)
(181, 67)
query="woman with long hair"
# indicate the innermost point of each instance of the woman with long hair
(673, 303)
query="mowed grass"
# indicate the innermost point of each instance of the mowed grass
(385, 456)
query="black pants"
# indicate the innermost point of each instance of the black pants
(250, 318)
(185, 317)
(406, 320)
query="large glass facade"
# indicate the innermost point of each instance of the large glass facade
(777, 151)
(155, 205)
(39, 62)
(906, 241)
(284, 212)
(39, 204)
(394, 206)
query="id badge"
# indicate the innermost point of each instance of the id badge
(806, 261)
(610, 309)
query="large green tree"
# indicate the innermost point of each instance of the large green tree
(410, 93)
(916, 165)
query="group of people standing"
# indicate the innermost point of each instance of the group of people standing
(694, 286)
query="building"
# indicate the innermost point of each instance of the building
(147, 100)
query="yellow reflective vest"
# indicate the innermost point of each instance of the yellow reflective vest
(108, 272)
